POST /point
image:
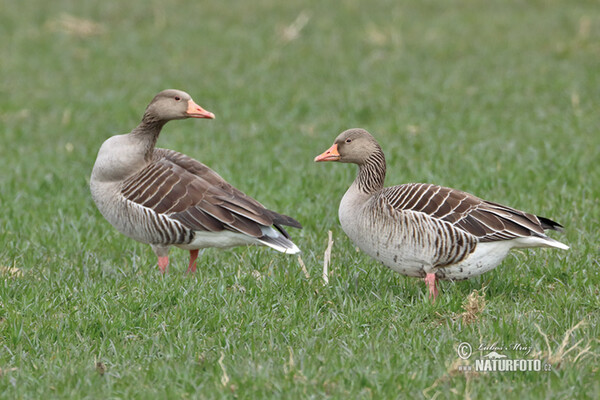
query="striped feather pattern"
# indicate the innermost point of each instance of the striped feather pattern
(416, 229)
(159, 228)
(164, 198)
(447, 243)
(189, 192)
(486, 220)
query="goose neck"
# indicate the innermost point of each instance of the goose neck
(147, 132)
(371, 173)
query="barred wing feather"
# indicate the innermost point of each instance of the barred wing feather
(190, 192)
(486, 220)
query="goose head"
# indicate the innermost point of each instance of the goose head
(352, 146)
(174, 104)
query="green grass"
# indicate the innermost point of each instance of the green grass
(496, 98)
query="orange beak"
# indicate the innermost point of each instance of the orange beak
(331, 154)
(195, 111)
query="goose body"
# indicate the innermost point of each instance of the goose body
(164, 198)
(425, 230)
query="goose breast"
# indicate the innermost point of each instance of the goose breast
(408, 242)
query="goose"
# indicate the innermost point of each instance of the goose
(424, 230)
(164, 198)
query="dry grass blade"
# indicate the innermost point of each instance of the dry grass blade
(224, 377)
(292, 31)
(75, 26)
(555, 358)
(304, 270)
(473, 306)
(289, 366)
(11, 272)
(327, 257)
(3, 371)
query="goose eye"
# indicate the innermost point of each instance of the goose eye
(348, 140)
(177, 98)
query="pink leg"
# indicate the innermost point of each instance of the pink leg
(163, 264)
(431, 284)
(193, 257)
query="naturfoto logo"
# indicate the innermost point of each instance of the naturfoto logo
(494, 361)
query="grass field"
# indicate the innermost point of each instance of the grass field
(497, 98)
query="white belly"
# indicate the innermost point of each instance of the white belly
(486, 257)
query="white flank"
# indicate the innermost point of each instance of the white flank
(226, 239)
(535, 241)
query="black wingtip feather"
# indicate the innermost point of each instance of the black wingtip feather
(282, 219)
(549, 224)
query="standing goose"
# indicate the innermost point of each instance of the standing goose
(165, 198)
(425, 230)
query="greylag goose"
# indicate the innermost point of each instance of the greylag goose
(165, 198)
(425, 230)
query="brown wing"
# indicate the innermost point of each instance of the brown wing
(190, 192)
(486, 220)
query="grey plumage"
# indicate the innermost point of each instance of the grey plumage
(427, 230)
(165, 198)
